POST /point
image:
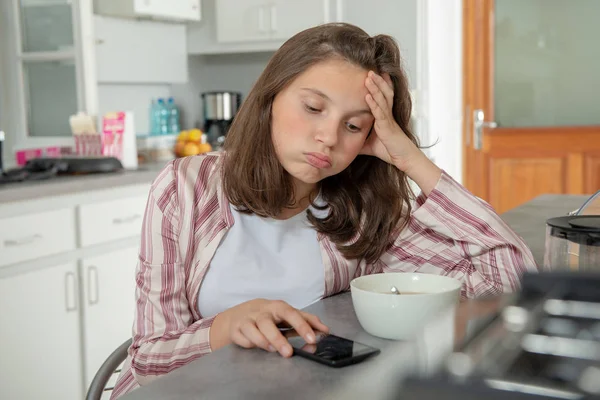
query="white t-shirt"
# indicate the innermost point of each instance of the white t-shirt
(264, 258)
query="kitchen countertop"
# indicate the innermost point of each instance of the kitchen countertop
(232, 372)
(69, 185)
(529, 219)
(236, 373)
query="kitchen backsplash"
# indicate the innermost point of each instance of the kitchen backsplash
(234, 72)
(231, 72)
(134, 98)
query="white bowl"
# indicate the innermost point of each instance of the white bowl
(392, 316)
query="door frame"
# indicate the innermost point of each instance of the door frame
(440, 82)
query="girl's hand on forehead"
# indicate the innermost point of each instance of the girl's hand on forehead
(387, 141)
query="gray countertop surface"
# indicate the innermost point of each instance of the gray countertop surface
(529, 220)
(68, 185)
(232, 372)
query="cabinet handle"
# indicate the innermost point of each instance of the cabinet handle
(22, 241)
(126, 220)
(261, 20)
(273, 19)
(92, 275)
(70, 292)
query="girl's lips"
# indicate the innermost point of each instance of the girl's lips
(318, 160)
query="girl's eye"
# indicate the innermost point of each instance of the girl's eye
(311, 109)
(352, 128)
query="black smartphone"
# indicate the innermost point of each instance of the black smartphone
(331, 350)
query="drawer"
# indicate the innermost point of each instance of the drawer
(111, 220)
(32, 236)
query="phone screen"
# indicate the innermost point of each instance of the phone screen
(331, 349)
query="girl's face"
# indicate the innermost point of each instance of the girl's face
(320, 121)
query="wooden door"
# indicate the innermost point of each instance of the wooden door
(531, 85)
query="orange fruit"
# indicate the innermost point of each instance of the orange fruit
(183, 136)
(179, 148)
(194, 135)
(205, 148)
(190, 149)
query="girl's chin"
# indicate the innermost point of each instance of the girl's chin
(308, 177)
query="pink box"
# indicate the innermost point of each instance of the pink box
(22, 156)
(113, 130)
(89, 144)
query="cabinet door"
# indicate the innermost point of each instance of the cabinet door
(176, 9)
(129, 51)
(245, 21)
(288, 17)
(46, 25)
(109, 301)
(41, 357)
(51, 97)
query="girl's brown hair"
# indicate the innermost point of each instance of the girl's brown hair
(368, 202)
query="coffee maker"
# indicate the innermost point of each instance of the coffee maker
(573, 241)
(219, 109)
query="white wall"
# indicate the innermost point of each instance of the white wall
(136, 98)
(441, 67)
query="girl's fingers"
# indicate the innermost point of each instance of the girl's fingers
(315, 322)
(253, 334)
(377, 94)
(384, 83)
(269, 330)
(375, 109)
(238, 338)
(386, 77)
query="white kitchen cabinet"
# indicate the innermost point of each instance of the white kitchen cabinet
(41, 356)
(31, 236)
(108, 299)
(52, 58)
(260, 20)
(111, 220)
(129, 51)
(242, 22)
(288, 17)
(44, 69)
(178, 10)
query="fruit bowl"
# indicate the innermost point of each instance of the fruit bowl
(190, 143)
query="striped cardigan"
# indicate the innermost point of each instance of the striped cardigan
(450, 232)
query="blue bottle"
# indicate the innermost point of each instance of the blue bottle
(174, 124)
(154, 117)
(163, 120)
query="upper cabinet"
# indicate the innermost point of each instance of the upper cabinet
(230, 26)
(176, 10)
(257, 20)
(44, 67)
(288, 17)
(242, 22)
(233, 26)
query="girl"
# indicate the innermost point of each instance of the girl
(310, 191)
